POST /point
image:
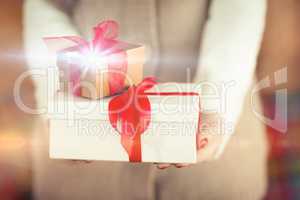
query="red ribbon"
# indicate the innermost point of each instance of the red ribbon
(130, 115)
(104, 44)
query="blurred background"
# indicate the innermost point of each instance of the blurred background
(15, 126)
(280, 48)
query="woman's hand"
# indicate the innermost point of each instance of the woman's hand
(208, 141)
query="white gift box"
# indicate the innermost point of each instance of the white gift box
(80, 128)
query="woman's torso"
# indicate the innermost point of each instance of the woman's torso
(170, 29)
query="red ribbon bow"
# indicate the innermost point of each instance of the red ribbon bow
(130, 115)
(104, 43)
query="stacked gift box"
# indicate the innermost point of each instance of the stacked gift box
(105, 109)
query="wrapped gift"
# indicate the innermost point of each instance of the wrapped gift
(103, 67)
(147, 123)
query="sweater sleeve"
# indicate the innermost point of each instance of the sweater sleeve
(228, 55)
(42, 18)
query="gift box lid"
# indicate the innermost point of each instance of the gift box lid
(176, 108)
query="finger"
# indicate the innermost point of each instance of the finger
(181, 165)
(207, 153)
(163, 165)
(201, 141)
(80, 161)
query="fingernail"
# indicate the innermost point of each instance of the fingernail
(202, 143)
(163, 166)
